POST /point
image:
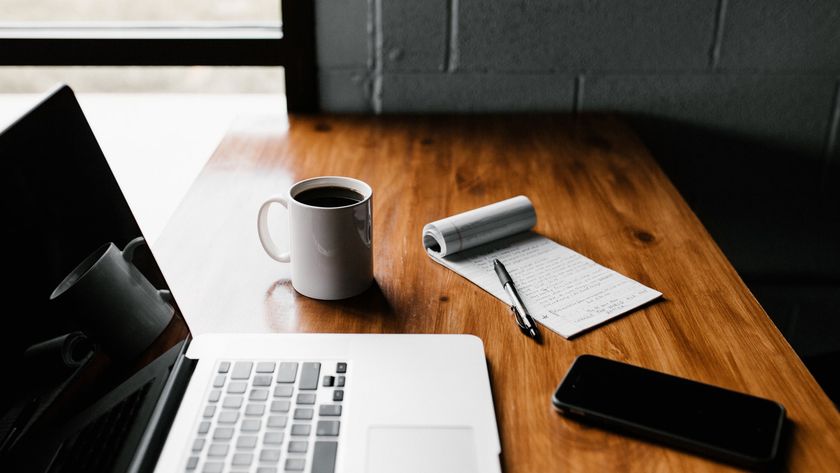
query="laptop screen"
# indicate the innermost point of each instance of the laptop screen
(78, 275)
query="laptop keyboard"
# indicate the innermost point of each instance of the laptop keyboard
(270, 417)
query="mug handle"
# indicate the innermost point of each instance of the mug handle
(131, 247)
(166, 296)
(262, 229)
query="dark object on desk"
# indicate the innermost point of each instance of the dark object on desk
(523, 318)
(697, 417)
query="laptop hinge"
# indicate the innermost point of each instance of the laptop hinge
(163, 415)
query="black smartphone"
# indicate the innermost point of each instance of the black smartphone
(705, 419)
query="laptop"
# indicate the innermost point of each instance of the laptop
(278, 402)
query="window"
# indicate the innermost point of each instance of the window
(235, 33)
(247, 12)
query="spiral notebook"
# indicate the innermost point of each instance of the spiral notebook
(564, 290)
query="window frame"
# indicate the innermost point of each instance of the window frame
(292, 46)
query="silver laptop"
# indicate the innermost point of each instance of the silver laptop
(262, 403)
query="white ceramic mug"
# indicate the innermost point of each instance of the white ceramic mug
(331, 248)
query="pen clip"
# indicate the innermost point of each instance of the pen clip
(519, 320)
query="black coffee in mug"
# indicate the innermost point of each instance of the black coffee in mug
(329, 196)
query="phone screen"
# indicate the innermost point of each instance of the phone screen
(691, 414)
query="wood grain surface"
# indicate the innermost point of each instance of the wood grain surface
(596, 190)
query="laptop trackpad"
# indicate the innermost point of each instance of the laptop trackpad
(423, 449)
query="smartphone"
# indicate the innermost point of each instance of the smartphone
(701, 418)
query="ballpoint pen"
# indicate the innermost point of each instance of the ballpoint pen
(523, 319)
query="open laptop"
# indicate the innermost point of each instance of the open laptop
(216, 402)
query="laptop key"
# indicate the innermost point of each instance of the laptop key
(273, 438)
(198, 445)
(301, 429)
(242, 459)
(192, 463)
(295, 464)
(262, 380)
(323, 457)
(341, 367)
(241, 370)
(328, 428)
(302, 413)
(287, 372)
(309, 373)
(237, 387)
(251, 425)
(338, 395)
(228, 417)
(298, 446)
(209, 411)
(265, 367)
(219, 381)
(223, 433)
(280, 406)
(254, 410)
(217, 450)
(328, 381)
(213, 467)
(339, 382)
(204, 427)
(232, 402)
(277, 422)
(224, 367)
(214, 395)
(306, 398)
(267, 469)
(329, 410)
(283, 390)
(246, 441)
(258, 395)
(270, 455)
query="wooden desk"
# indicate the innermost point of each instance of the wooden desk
(596, 190)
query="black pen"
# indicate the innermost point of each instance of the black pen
(523, 319)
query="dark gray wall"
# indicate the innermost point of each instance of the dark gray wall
(737, 99)
(764, 69)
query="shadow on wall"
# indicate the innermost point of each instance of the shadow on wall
(775, 213)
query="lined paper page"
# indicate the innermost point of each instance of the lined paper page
(562, 289)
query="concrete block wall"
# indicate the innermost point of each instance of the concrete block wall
(764, 69)
(739, 100)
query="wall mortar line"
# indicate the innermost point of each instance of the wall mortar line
(717, 38)
(831, 136)
(577, 104)
(451, 52)
(378, 56)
